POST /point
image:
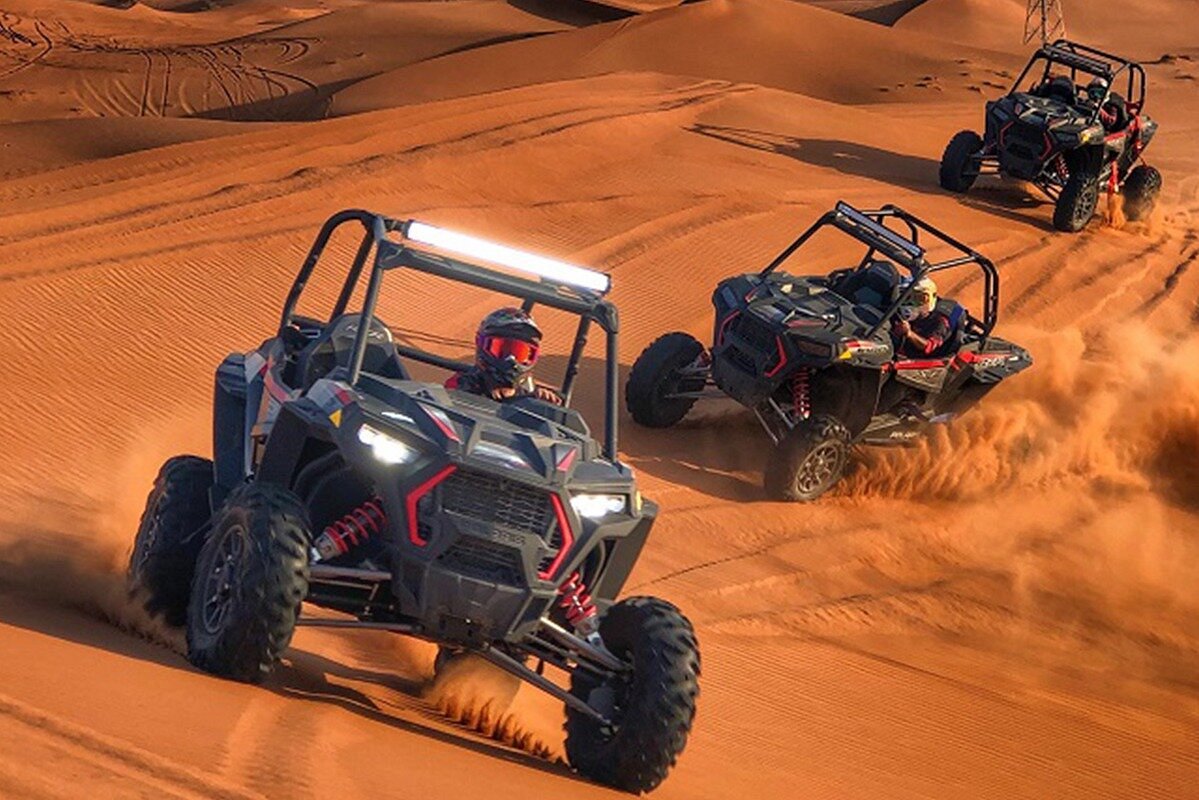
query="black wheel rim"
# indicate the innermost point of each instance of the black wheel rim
(1086, 204)
(219, 593)
(821, 467)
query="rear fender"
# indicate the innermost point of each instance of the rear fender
(849, 394)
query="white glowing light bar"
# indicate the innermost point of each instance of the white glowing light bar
(557, 271)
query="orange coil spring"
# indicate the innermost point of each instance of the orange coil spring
(801, 393)
(575, 601)
(357, 527)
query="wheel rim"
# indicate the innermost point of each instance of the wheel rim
(219, 585)
(1086, 207)
(820, 468)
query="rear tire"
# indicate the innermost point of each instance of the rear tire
(959, 162)
(808, 461)
(655, 374)
(1141, 188)
(1077, 203)
(164, 551)
(652, 710)
(251, 576)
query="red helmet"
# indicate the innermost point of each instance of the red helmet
(507, 345)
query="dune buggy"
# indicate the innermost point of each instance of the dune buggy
(813, 357)
(502, 529)
(1070, 139)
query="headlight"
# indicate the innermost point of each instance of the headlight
(385, 447)
(597, 506)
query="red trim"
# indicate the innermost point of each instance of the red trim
(342, 395)
(414, 498)
(970, 357)
(915, 364)
(433, 414)
(567, 460)
(452, 382)
(782, 358)
(724, 325)
(274, 389)
(568, 538)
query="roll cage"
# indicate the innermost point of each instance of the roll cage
(394, 247)
(868, 227)
(1089, 61)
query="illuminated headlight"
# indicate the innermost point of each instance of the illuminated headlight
(385, 447)
(509, 257)
(597, 506)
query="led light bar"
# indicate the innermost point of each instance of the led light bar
(557, 271)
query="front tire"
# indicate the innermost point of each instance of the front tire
(164, 551)
(809, 460)
(1141, 188)
(651, 710)
(1077, 203)
(251, 576)
(656, 375)
(960, 162)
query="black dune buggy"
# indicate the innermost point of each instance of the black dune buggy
(813, 356)
(1070, 144)
(504, 530)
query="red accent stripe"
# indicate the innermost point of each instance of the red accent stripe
(724, 326)
(568, 538)
(782, 358)
(450, 433)
(276, 391)
(973, 358)
(414, 498)
(567, 460)
(932, 364)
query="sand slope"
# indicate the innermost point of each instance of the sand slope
(1007, 611)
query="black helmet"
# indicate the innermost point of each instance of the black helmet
(1097, 89)
(507, 345)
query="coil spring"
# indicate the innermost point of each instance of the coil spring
(1059, 164)
(576, 602)
(352, 530)
(801, 393)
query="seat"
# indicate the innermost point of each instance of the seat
(335, 345)
(873, 284)
(958, 318)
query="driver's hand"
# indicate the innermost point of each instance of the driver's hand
(903, 327)
(548, 395)
(502, 393)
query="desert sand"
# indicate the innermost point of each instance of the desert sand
(1007, 611)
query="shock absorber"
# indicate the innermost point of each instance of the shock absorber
(1059, 164)
(350, 531)
(801, 393)
(578, 606)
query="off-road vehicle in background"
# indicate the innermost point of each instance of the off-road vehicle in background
(502, 529)
(813, 357)
(1065, 128)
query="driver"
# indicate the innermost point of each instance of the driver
(1112, 113)
(507, 344)
(918, 329)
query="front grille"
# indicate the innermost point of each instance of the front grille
(1024, 140)
(496, 501)
(756, 332)
(479, 558)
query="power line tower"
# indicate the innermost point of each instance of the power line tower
(1045, 20)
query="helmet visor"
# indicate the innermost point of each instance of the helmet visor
(502, 347)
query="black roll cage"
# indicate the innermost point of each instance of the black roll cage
(405, 253)
(1091, 61)
(868, 227)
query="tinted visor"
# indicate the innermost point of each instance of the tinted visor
(502, 347)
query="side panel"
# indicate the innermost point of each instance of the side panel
(229, 425)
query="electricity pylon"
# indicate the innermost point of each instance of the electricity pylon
(1045, 20)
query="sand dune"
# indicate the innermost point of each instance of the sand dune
(1007, 610)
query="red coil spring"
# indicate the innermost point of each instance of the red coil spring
(1059, 164)
(575, 601)
(353, 529)
(801, 393)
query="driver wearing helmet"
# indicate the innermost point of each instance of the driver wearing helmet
(507, 344)
(1113, 112)
(918, 329)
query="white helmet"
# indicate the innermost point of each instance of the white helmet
(923, 297)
